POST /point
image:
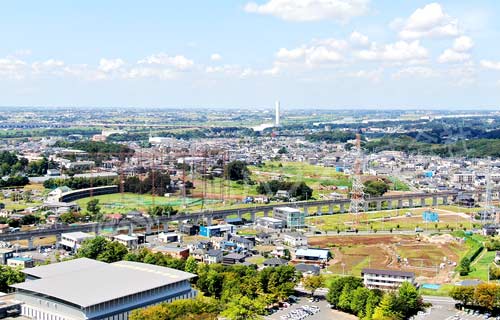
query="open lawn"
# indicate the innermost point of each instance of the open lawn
(391, 219)
(480, 266)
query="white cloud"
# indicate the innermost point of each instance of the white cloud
(488, 64)
(311, 10)
(399, 51)
(52, 66)
(424, 72)
(462, 44)
(109, 65)
(359, 39)
(161, 59)
(372, 75)
(451, 56)
(12, 68)
(215, 57)
(147, 72)
(429, 21)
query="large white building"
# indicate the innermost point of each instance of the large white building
(386, 279)
(87, 289)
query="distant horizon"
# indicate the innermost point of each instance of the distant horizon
(269, 108)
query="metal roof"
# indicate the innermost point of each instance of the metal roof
(388, 272)
(98, 282)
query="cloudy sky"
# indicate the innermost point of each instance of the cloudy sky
(244, 53)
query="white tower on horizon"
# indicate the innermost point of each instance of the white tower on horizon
(277, 121)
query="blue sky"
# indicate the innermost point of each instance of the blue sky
(232, 53)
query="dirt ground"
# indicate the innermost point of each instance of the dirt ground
(430, 259)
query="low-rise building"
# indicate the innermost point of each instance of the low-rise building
(217, 230)
(292, 217)
(269, 223)
(275, 262)
(294, 239)
(6, 254)
(130, 242)
(175, 252)
(233, 258)
(386, 279)
(73, 240)
(313, 255)
(169, 237)
(21, 262)
(82, 289)
(213, 256)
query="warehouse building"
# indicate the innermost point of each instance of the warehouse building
(89, 289)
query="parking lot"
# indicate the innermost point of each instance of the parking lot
(296, 311)
(443, 308)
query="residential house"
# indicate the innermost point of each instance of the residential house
(294, 239)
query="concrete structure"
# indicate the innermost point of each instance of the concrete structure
(277, 116)
(252, 211)
(291, 217)
(6, 254)
(73, 240)
(386, 279)
(294, 239)
(217, 230)
(270, 223)
(21, 262)
(169, 237)
(175, 252)
(130, 242)
(213, 256)
(88, 289)
(312, 255)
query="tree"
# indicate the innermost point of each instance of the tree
(69, 217)
(359, 301)
(191, 265)
(184, 309)
(243, 308)
(487, 295)
(464, 266)
(313, 282)
(337, 286)
(386, 308)
(93, 207)
(375, 188)
(99, 248)
(237, 170)
(9, 276)
(113, 252)
(464, 294)
(409, 301)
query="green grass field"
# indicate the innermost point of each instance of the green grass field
(481, 266)
(389, 219)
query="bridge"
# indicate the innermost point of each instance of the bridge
(397, 201)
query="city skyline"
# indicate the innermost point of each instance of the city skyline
(330, 54)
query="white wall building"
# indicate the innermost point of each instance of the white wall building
(87, 289)
(386, 279)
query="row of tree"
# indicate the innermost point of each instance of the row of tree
(299, 190)
(349, 295)
(485, 295)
